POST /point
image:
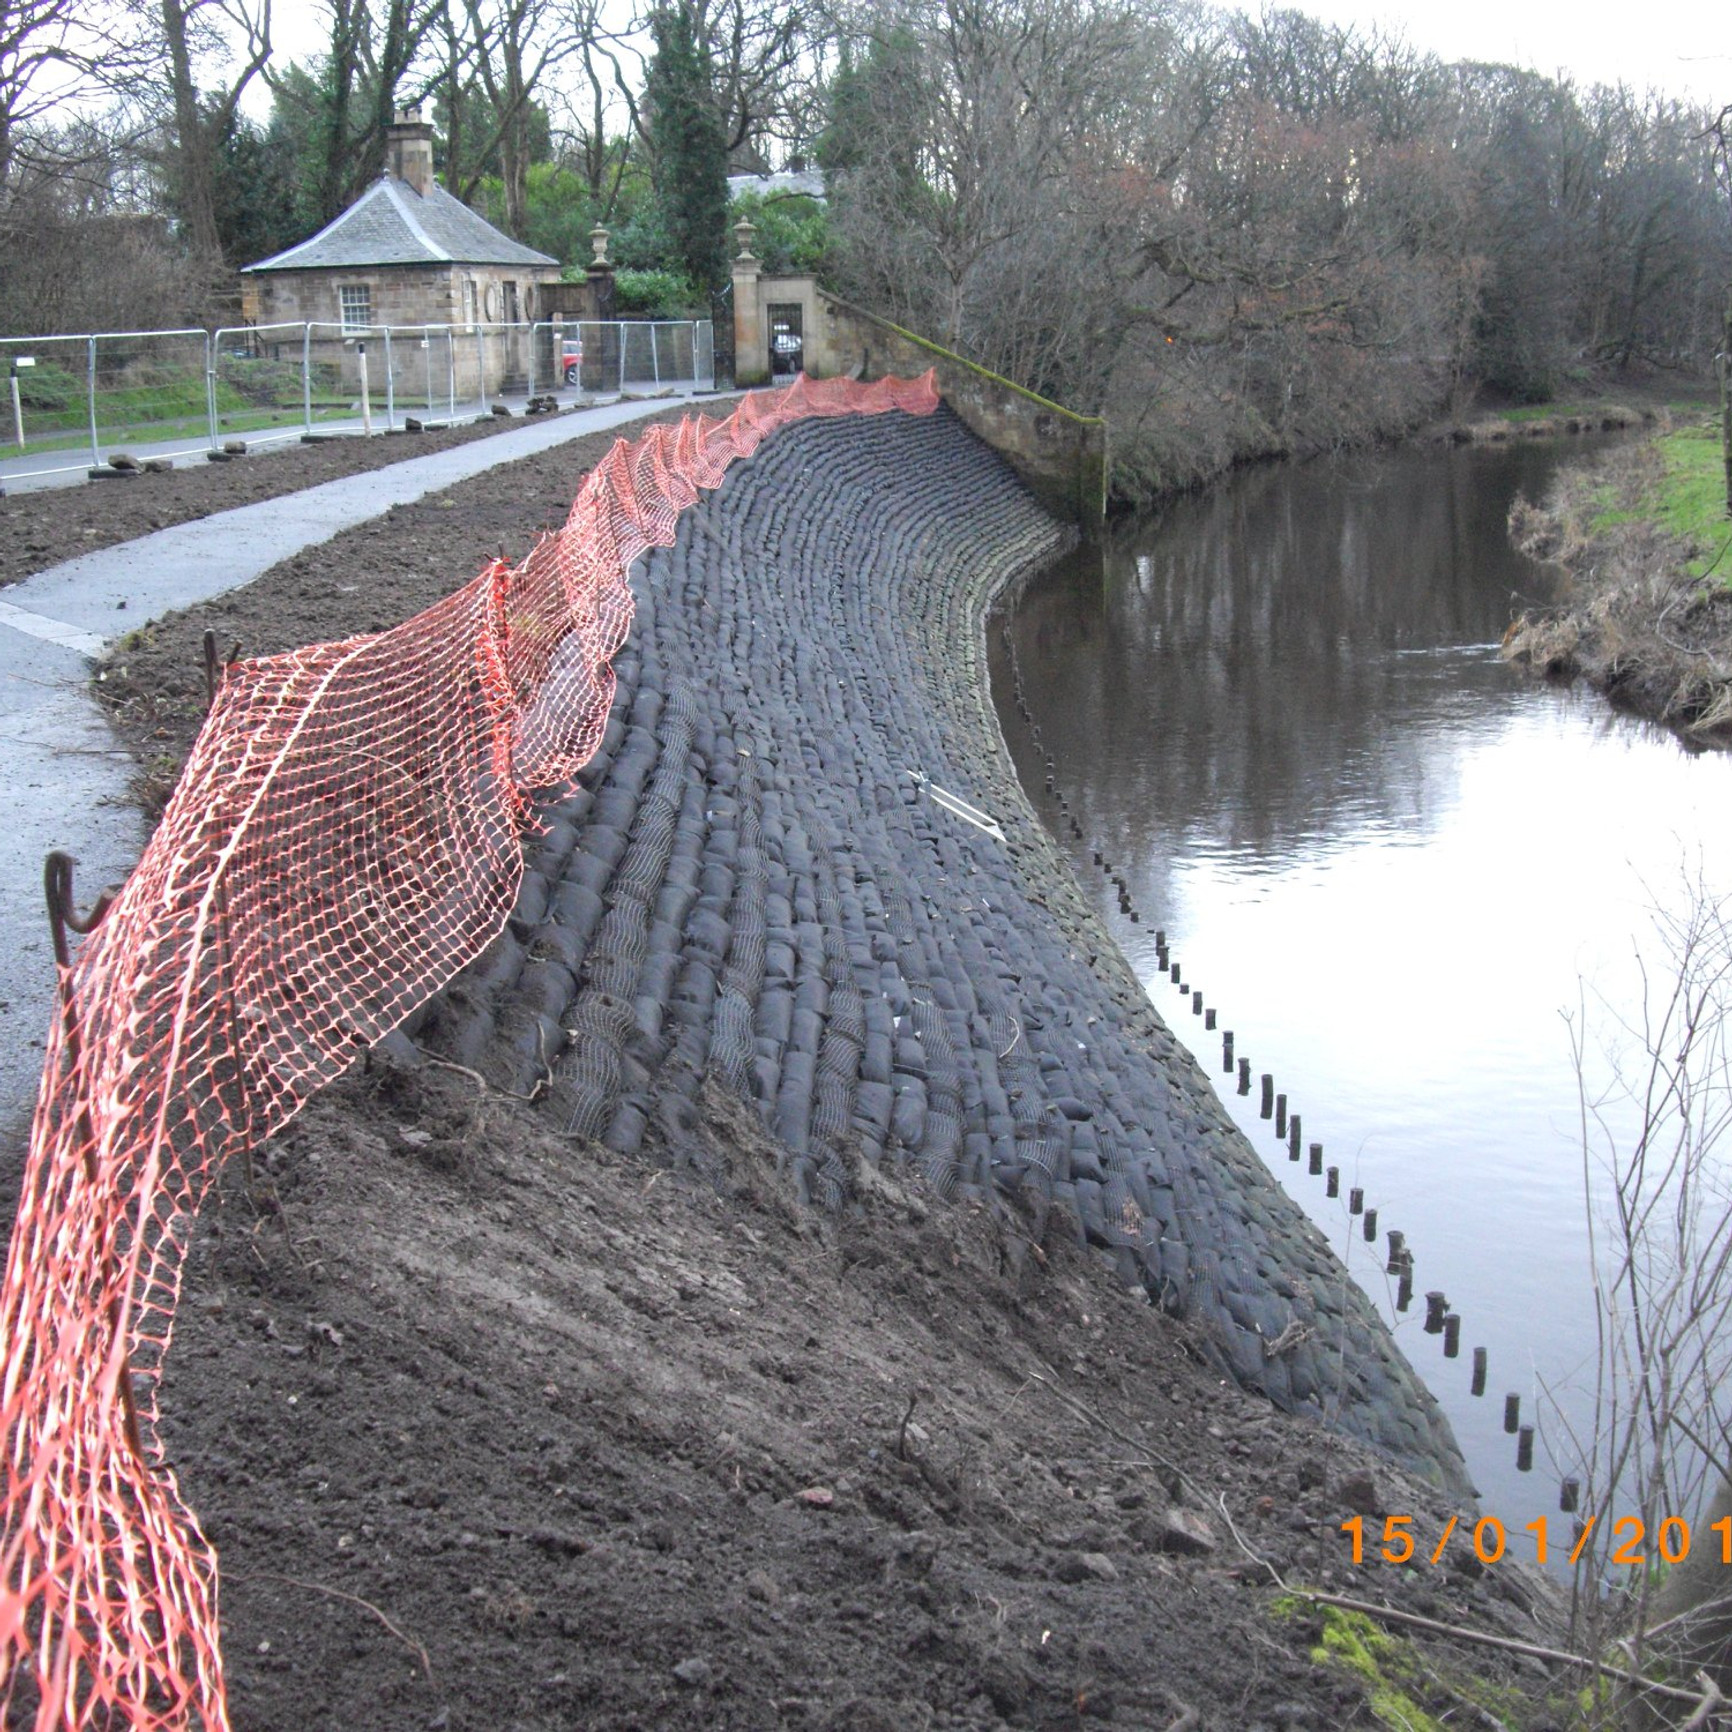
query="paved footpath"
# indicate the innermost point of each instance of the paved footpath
(64, 771)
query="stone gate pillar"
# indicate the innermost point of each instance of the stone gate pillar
(751, 353)
(600, 371)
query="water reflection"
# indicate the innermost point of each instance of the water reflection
(1396, 868)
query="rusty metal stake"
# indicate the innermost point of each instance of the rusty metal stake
(63, 917)
(215, 667)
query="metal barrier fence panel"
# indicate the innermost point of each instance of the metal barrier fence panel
(48, 405)
(259, 384)
(75, 400)
(620, 355)
(150, 386)
(348, 377)
(419, 367)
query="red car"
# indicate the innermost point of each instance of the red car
(571, 357)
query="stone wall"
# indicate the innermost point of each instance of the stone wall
(1059, 454)
(400, 294)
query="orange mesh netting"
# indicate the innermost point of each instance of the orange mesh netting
(346, 835)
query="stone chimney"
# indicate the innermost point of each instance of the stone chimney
(409, 150)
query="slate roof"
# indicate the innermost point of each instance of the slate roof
(393, 224)
(809, 181)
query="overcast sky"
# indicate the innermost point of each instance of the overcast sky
(1683, 47)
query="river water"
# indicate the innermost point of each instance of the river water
(1407, 878)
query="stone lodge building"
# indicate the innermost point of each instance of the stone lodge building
(404, 253)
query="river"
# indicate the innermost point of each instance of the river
(1406, 877)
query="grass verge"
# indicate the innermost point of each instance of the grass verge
(1684, 495)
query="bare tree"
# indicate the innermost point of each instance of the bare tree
(83, 250)
(760, 56)
(513, 45)
(53, 53)
(974, 136)
(1660, 1216)
(198, 37)
(375, 47)
(610, 73)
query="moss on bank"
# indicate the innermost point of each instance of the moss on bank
(1415, 1687)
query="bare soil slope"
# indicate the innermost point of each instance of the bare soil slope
(495, 1430)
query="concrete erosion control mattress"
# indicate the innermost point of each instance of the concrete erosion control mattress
(750, 882)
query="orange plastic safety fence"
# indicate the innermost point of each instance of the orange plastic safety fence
(346, 835)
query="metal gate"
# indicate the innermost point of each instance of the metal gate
(787, 340)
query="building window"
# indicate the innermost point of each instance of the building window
(470, 309)
(357, 303)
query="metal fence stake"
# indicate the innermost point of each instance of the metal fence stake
(90, 398)
(210, 390)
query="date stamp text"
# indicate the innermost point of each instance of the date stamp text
(1403, 1542)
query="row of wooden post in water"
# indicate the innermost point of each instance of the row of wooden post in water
(1288, 1126)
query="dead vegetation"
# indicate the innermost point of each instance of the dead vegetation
(1630, 619)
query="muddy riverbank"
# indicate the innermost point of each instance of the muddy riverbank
(659, 1445)
(1644, 616)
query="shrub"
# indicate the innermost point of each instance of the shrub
(656, 294)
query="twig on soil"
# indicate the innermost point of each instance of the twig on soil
(902, 1433)
(487, 1090)
(408, 1642)
(1149, 1456)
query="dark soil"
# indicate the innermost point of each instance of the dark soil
(367, 579)
(495, 1429)
(44, 526)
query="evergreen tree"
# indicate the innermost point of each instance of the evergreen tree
(688, 149)
(252, 193)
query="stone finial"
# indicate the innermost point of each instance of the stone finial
(598, 239)
(744, 229)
